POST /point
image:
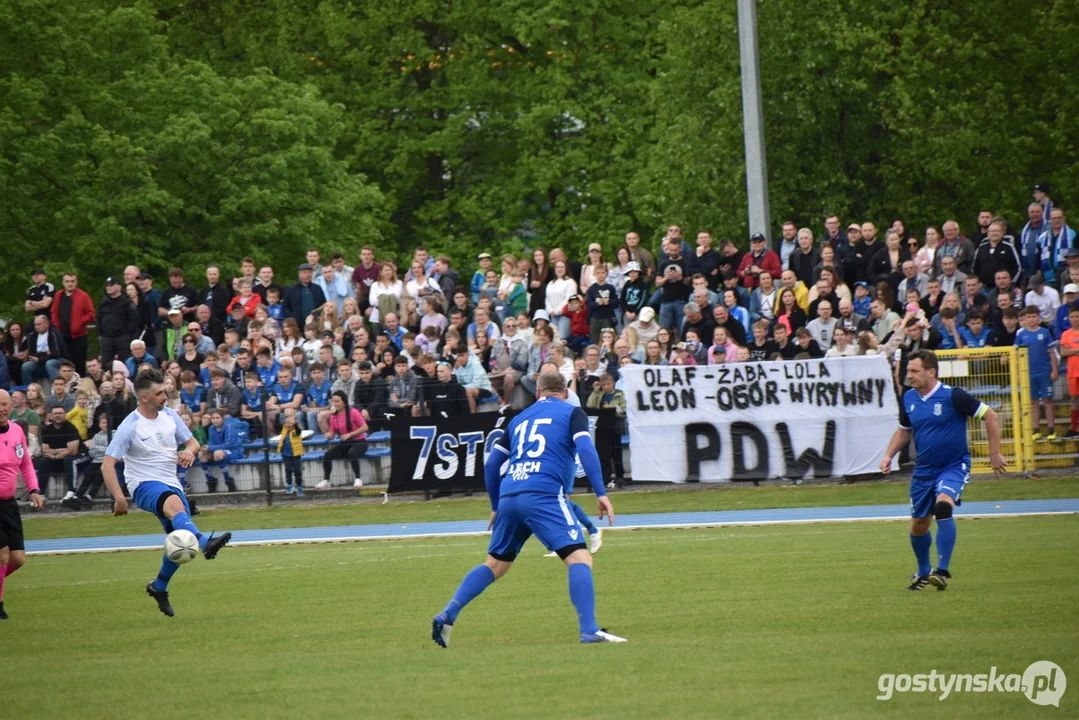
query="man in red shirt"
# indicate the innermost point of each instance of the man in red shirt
(14, 459)
(364, 275)
(757, 260)
(72, 311)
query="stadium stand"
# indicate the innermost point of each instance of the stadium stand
(380, 330)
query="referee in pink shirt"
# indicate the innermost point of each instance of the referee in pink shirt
(14, 459)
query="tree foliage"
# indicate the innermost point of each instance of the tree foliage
(176, 133)
(113, 150)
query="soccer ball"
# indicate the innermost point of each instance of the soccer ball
(181, 546)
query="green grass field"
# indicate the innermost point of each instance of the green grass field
(769, 621)
(290, 513)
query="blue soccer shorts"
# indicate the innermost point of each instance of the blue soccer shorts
(923, 493)
(151, 496)
(1041, 387)
(548, 517)
(231, 456)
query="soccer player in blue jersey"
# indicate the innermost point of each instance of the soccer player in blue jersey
(595, 535)
(1042, 360)
(149, 443)
(530, 497)
(936, 415)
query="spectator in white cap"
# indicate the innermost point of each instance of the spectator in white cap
(480, 276)
(1061, 322)
(634, 292)
(540, 320)
(646, 326)
(174, 334)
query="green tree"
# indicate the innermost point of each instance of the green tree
(483, 122)
(927, 111)
(114, 151)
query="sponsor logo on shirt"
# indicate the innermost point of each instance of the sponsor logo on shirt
(523, 470)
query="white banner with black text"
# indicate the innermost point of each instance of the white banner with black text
(755, 421)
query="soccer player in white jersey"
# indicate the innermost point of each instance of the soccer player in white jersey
(151, 442)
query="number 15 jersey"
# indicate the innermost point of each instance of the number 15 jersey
(540, 444)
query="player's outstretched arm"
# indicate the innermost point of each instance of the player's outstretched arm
(112, 482)
(186, 456)
(992, 429)
(492, 474)
(586, 451)
(899, 440)
(605, 509)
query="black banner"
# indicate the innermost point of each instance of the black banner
(607, 430)
(433, 454)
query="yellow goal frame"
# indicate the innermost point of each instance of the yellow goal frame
(999, 377)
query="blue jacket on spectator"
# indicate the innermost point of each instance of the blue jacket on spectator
(756, 302)
(478, 279)
(985, 339)
(193, 400)
(253, 400)
(740, 314)
(285, 395)
(337, 291)
(396, 338)
(319, 396)
(153, 299)
(133, 365)
(5, 376)
(1052, 249)
(1061, 322)
(230, 437)
(268, 376)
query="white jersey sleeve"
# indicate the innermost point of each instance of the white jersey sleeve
(183, 434)
(148, 448)
(124, 436)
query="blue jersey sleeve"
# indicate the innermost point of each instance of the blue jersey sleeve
(967, 405)
(586, 450)
(492, 470)
(125, 434)
(578, 423)
(904, 419)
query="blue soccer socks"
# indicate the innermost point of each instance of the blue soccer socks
(921, 545)
(583, 595)
(182, 521)
(475, 582)
(946, 532)
(168, 569)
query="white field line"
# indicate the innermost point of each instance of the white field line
(461, 534)
(470, 551)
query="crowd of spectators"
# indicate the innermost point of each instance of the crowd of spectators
(423, 337)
